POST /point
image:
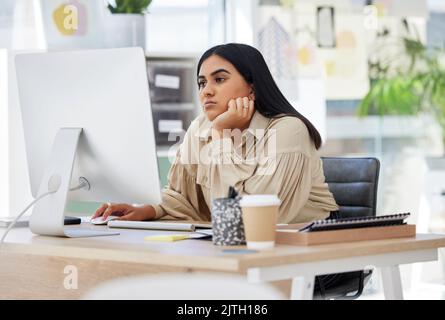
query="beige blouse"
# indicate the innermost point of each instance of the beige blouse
(273, 156)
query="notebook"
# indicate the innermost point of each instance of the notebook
(358, 222)
(157, 225)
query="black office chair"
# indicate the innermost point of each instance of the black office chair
(353, 183)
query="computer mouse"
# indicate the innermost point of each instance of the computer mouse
(99, 220)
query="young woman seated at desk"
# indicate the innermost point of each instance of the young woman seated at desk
(248, 136)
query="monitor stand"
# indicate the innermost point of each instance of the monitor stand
(47, 217)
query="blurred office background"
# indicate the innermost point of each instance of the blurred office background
(369, 74)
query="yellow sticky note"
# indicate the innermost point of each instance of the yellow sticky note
(167, 238)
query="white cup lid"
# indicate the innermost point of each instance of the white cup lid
(259, 200)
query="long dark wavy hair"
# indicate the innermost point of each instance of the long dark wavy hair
(269, 101)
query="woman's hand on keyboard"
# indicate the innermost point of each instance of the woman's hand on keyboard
(125, 212)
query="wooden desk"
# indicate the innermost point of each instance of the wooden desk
(35, 267)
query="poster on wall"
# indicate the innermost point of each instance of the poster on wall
(346, 65)
(275, 41)
(316, 42)
(293, 64)
(73, 23)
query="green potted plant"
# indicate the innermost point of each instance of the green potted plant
(129, 6)
(411, 81)
(126, 23)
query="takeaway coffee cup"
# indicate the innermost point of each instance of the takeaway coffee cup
(260, 214)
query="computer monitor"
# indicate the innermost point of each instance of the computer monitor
(86, 114)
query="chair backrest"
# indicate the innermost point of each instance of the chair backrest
(353, 183)
(184, 286)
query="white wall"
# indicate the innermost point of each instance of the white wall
(4, 161)
(436, 5)
(17, 32)
(240, 21)
(19, 186)
(162, 34)
(15, 190)
(6, 11)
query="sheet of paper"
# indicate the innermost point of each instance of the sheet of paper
(167, 81)
(170, 126)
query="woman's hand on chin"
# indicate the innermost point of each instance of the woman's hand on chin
(237, 116)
